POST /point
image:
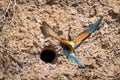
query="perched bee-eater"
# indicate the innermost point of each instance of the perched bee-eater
(70, 45)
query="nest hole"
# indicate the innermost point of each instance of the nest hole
(48, 55)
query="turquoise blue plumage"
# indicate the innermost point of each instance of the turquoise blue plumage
(70, 45)
(69, 53)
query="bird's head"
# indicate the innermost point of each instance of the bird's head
(68, 43)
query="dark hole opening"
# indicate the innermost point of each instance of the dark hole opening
(48, 56)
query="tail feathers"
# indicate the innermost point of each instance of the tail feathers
(74, 59)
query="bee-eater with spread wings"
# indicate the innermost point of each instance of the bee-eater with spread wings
(70, 45)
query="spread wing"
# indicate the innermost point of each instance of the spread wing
(46, 28)
(49, 31)
(86, 33)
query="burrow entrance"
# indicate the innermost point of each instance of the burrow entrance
(48, 55)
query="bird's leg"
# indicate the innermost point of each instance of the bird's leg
(69, 37)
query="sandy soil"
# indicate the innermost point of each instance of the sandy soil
(23, 40)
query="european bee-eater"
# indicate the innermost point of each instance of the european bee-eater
(70, 45)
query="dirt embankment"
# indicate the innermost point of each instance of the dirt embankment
(22, 39)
